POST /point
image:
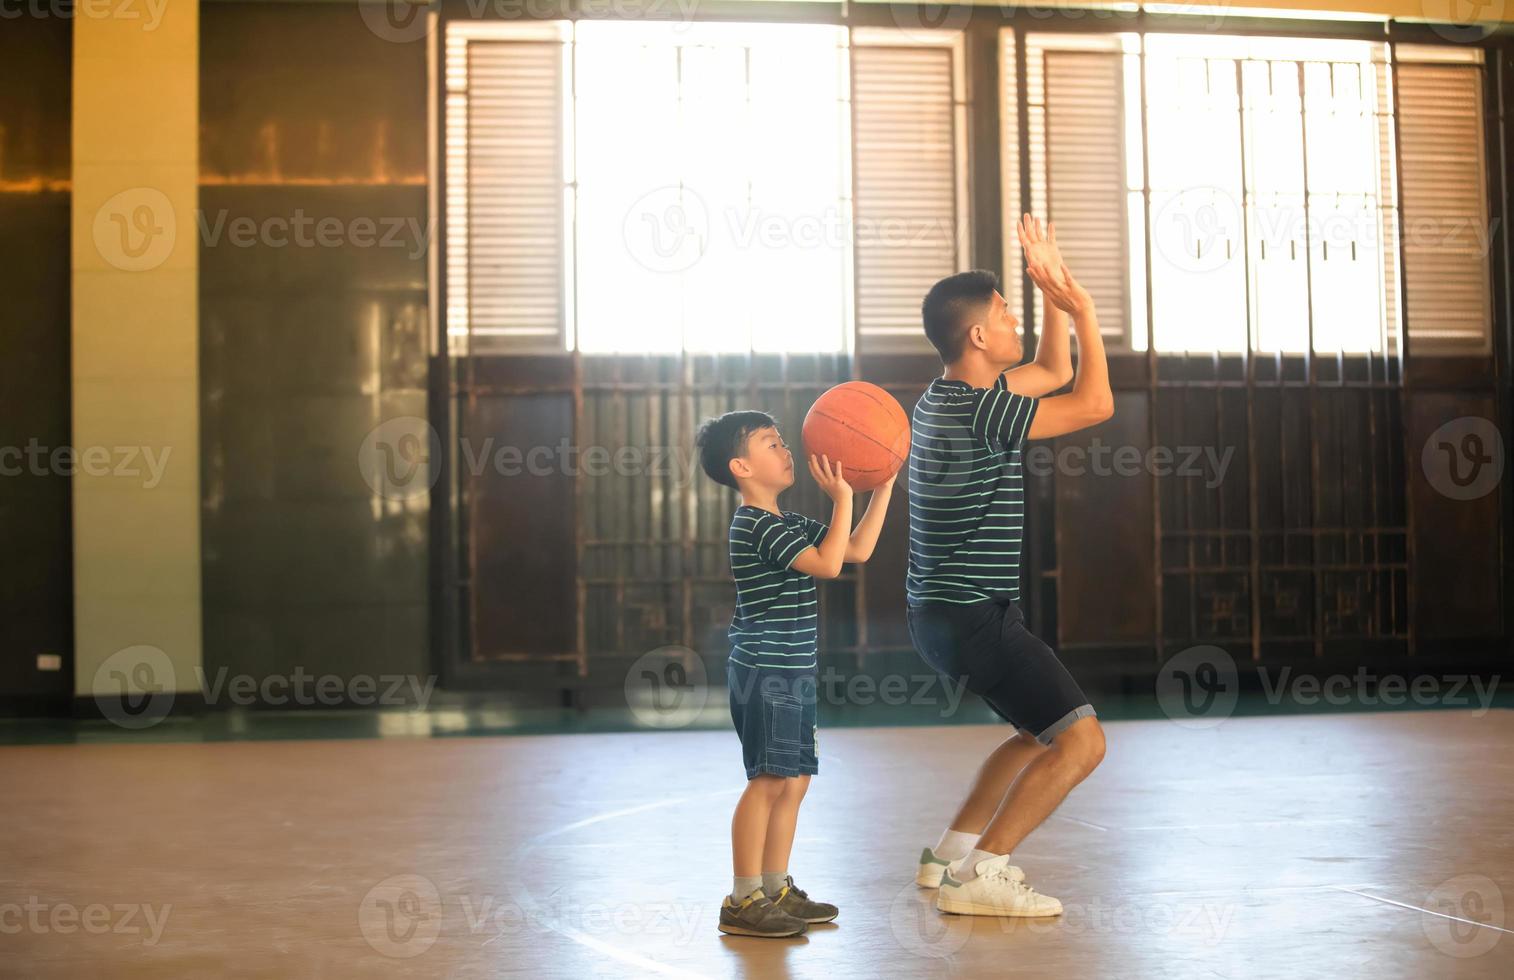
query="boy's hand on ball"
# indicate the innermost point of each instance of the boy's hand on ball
(830, 477)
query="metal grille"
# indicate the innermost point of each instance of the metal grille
(655, 569)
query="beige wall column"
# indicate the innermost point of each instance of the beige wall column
(136, 501)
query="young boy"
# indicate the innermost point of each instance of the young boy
(967, 518)
(772, 671)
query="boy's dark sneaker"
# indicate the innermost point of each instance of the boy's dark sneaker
(795, 902)
(757, 915)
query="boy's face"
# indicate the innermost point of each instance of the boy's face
(995, 332)
(767, 461)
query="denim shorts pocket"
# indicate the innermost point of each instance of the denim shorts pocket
(785, 715)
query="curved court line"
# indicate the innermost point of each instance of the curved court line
(525, 897)
(1416, 908)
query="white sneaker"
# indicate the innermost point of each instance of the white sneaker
(928, 875)
(999, 889)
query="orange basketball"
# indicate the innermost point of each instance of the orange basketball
(864, 427)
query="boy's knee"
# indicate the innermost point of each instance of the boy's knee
(1082, 744)
(770, 787)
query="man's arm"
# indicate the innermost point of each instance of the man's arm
(1090, 401)
(1052, 366)
(865, 535)
(824, 560)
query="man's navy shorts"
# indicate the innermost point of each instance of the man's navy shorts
(774, 710)
(986, 647)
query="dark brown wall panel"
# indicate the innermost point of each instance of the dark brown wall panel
(522, 515)
(1456, 542)
(36, 580)
(310, 339)
(1104, 542)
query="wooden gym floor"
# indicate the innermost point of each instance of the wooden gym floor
(1376, 845)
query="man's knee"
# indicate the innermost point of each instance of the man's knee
(1082, 744)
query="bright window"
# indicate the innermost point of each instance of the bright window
(713, 199)
(1267, 168)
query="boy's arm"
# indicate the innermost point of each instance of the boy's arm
(1090, 400)
(865, 535)
(1052, 366)
(824, 560)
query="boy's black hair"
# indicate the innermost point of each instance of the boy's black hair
(948, 306)
(722, 439)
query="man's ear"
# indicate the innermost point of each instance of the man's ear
(974, 336)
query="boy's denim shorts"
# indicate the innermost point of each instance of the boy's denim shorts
(774, 711)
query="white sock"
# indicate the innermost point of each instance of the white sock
(742, 887)
(954, 844)
(969, 869)
(773, 882)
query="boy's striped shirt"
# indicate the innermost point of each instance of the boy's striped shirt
(776, 621)
(966, 493)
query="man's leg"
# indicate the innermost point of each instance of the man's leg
(993, 781)
(1044, 784)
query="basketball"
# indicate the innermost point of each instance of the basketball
(864, 427)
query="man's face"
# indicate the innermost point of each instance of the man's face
(997, 333)
(767, 460)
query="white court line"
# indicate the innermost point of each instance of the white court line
(1242, 823)
(1081, 823)
(1416, 908)
(614, 952)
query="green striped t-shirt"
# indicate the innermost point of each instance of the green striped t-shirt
(966, 493)
(776, 619)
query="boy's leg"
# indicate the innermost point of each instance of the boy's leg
(749, 825)
(779, 841)
(748, 911)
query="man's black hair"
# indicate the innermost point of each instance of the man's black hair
(950, 306)
(722, 439)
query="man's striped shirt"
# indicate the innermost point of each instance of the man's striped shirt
(967, 493)
(776, 621)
